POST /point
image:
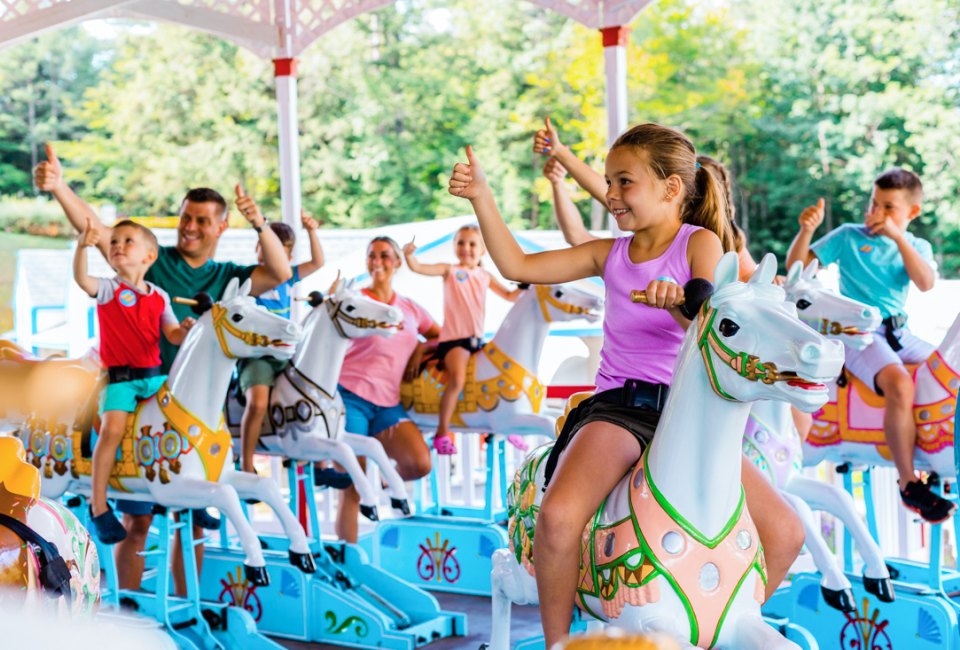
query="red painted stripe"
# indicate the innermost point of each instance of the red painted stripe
(563, 392)
(284, 67)
(613, 36)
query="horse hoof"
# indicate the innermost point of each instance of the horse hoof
(839, 599)
(303, 561)
(257, 575)
(370, 512)
(400, 504)
(882, 588)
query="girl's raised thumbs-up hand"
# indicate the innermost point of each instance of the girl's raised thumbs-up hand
(468, 179)
(546, 141)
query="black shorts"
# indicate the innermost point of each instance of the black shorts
(636, 410)
(471, 344)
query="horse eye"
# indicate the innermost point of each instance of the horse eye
(728, 327)
(803, 304)
(349, 309)
(236, 318)
(558, 293)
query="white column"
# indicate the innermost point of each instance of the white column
(615, 72)
(285, 71)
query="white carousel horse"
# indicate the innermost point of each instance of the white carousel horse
(773, 443)
(673, 548)
(305, 419)
(849, 428)
(175, 451)
(502, 393)
(21, 555)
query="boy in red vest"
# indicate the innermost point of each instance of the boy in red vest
(132, 312)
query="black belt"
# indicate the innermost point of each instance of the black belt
(120, 374)
(890, 325)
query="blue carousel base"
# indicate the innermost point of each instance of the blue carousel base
(447, 554)
(347, 602)
(919, 618)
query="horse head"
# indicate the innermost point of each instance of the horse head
(831, 314)
(755, 347)
(355, 315)
(560, 303)
(244, 329)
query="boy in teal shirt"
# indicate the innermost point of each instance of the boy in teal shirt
(878, 260)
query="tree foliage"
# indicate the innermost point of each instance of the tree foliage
(801, 100)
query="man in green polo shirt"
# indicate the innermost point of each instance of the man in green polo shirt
(181, 270)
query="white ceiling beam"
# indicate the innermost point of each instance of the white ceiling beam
(259, 37)
(60, 15)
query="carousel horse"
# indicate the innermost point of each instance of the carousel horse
(175, 450)
(502, 393)
(305, 419)
(849, 427)
(45, 553)
(673, 548)
(773, 443)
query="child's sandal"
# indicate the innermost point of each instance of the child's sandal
(444, 446)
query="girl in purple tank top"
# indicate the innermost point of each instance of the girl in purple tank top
(677, 213)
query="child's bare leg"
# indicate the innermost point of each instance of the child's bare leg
(597, 458)
(803, 422)
(112, 424)
(252, 422)
(346, 526)
(455, 364)
(780, 529)
(898, 426)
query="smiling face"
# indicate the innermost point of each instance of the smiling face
(199, 229)
(894, 204)
(130, 252)
(382, 261)
(636, 197)
(469, 247)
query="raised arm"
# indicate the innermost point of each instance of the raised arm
(275, 269)
(423, 269)
(918, 269)
(89, 237)
(810, 219)
(48, 177)
(316, 251)
(564, 209)
(503, 291)
(547, 142)
(469, 182)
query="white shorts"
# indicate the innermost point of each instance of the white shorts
(867, 363)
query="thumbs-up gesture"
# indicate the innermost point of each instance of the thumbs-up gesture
(309, 223)
(812, 216)
(554, 171)
(90, 235)
(546, 141)
(48, 175)
(468, 179)
(248, 207)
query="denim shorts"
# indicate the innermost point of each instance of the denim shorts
(134, 507)
(366, 418)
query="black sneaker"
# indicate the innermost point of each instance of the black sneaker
(108, 528)
(918, 497)
(329, 477)
(205, 520)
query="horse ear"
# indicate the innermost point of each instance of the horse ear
(810, 272)
(230, 292)
(727, 271)
(766, 270)
(245, 287)
(795, 273)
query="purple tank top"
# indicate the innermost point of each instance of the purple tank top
(640, 342)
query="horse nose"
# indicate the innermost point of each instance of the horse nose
(810, 353)
(293, 329)
(871, 314)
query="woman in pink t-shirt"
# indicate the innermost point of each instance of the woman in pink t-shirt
(371, 376)
(465, 287)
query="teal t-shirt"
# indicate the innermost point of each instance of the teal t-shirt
(172, 274)
(871, 267)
